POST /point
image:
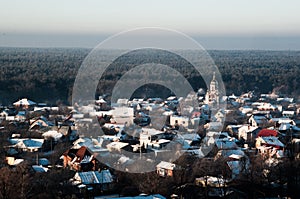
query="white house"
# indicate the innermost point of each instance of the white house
(288, 114)
(258, 120)
(179, 120)
(122, 115)
(165, 168)
(248, 133)
(24, 103)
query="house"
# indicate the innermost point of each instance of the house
(278, 121)
(164, 169)
(21, 116)
(258, 120)
(217, 186)
(246, 109)
(176, 120)
(79, 159)
(52, 134)
(191, 138)
(224, 136)
(285, 99)
(237, 161)
(12, 161)
(215, 126)
(124, 162)
(93, 145)
(248, 133)
(101, 103)
(43, 161)
(65, 130)
(122, 102)
(27, 144)
(148, 135)
(285, 127)
(142, 119)
(233, 129)
(232, 154)
(288, 114)
(116, 146)
(102, 180)
(225, 144)
(122, 115)
(157, 144)
(270, 147)
(24, 103)
(210, 181)
(40, 122)
(219, 116)
(8, 114)
(269, 141)
(266, 107)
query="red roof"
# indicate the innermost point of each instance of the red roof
(267, 132)
(81, 152)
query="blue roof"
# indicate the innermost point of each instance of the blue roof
(94, 177)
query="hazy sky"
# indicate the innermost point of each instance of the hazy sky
(215, 23)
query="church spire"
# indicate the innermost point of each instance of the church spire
(213, 93)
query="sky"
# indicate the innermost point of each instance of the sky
(216, 24)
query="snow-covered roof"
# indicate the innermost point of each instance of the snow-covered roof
(23, 102)
(283, 120)
(191, 136)
(233, 153)
(259, 117)
(44, 161)
(225, 144)
(116, 145)
(53, 134)
(101, 101)
(166, 165)
(271, 140)
(288, 112)
(125, 160)
(266, 106)
(286, 99)
(151, 131)
(284, 126)
(39, 168)
(27, 143)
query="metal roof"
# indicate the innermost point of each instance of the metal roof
(95, 177)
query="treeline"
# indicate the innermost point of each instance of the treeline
(261, 71)
(47, 75)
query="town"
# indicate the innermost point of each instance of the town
(255, 139)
